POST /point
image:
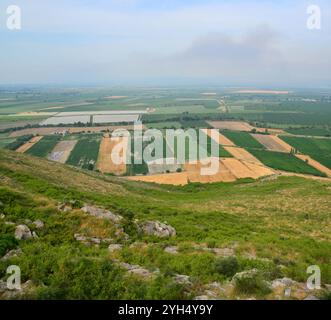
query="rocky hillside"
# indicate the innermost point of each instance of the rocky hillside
(81, 235)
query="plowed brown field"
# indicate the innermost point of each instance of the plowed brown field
(273, 143)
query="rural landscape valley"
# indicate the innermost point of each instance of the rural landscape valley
(82, 227)
(165, 158)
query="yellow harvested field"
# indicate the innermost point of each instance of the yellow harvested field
(273, 143)
(229, 170)
(106, 162)
(239, 169)
(242, 154)
(231, 125)
(314, 164)
(25, 147)
(194, 173)
(62, 151)
(175, 179)
(260, 170)
(221, 139)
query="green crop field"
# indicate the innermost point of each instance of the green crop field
(138, 166)
(285, 162)
(242, 139)
(85, 154)
(43, 147)
(165, 125)
(310, 131)
(318, 149)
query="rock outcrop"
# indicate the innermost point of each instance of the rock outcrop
(23, 232)
(115, 247)
(102, 213)
(38, 224)
(11, 254)
(157, 229)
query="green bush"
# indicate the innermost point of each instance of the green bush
(252, 283)
(7, 242)
(227, 266)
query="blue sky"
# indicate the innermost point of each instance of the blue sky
(221, 42)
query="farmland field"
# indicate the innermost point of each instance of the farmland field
(318, 149)
(44, 146)
(165, 125)
(86, 151)
(310, 131)
(284, 162)
(242, 139)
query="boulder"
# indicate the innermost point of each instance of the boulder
(282, 283)
(171, 250)
(115, 247)
(11, 254)
(102, 213)
(23, 232)
(138, 270)
(157, 229)
(91, 240)
(64, 207)
(182, 279)
(245, 274)
(2, 216)
(38, 224)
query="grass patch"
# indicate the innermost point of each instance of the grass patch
(243, 139)
(318, 149)
(285, 162)
(85, 154)
(43, 147)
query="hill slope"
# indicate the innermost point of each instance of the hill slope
(278, 227)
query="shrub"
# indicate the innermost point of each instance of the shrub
(227, 266)
(251, 282)
(7, 242)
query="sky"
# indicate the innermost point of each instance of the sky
(166, 42)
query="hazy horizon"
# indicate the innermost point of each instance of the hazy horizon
(164, 43)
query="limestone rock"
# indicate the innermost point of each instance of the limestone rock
(156, 228)
(38, 224)
(139, 271)
(23, 232)
(115, 247)
(182, 279)
(11, 254)
(102, 213)
(171, 250)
